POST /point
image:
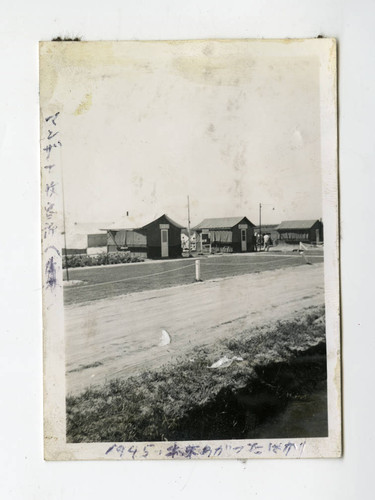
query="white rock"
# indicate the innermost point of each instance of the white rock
(165, 338)
(224, 362)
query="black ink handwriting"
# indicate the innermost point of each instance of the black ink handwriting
(190, 450)
(49, 209)
(51, 188)
(49, 229)
(49, 147)
(51, 273)
(288, 446)
(52, 247)
(53, 118)
(51, 135)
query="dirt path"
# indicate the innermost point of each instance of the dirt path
(119, 337)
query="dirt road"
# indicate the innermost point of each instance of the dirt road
(119, 337)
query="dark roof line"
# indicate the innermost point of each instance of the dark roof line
(297, 224)
(221, 223)
(171, 221)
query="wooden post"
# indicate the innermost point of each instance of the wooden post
(198, 270)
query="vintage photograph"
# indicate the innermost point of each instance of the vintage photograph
(190, 249)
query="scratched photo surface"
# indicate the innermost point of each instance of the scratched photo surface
(190, 249)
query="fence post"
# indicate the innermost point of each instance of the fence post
(198, 270)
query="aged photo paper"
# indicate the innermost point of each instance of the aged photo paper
(190, 249)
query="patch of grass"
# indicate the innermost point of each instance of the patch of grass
(153, 276)
(153, 405)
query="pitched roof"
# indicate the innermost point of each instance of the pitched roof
(119, 227)
(86, 227)
(76, 234)
(124, 222)
(221, 223)
(297, 224)
(164, 216)
(270, 227)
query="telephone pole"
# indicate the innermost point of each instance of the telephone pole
(260, 227)
(260, 223)
(189, 226)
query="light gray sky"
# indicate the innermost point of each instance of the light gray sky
(229, 124)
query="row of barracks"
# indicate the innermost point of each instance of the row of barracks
(162, 237)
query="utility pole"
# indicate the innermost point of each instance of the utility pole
(260, 227)
(260, 222)
(189, 226)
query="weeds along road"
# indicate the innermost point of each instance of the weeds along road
(111, 281)
(120, 336)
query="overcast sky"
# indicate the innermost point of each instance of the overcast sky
(144, 125)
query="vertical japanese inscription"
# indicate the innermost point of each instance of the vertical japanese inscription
(51, 143)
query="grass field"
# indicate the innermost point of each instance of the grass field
(111, 281)
(189, 400)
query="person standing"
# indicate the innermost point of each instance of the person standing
(267, 242)
(254, 242)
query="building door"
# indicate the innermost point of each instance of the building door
(205, 242)
(317, 236)
(164, 243)
(243, 240)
